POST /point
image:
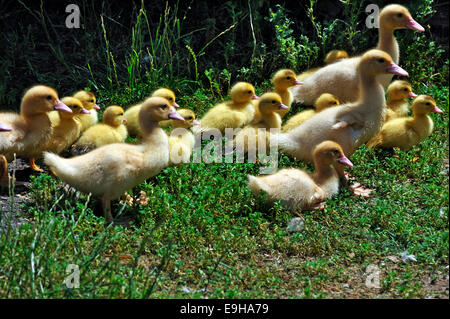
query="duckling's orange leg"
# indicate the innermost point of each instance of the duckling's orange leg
(4, 177)
(34, 166)
(106, 203)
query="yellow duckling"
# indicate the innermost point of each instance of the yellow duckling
(232, 114)
(298, 189)
(282, 81)
(112, 130)
(324, 101)
(110, 170)
(405, 132)
(89, 102)
(66, 126)
(181, 139)
(331, 57)
(397, 104)
(31, 129)
(132, 113)
(270, 105)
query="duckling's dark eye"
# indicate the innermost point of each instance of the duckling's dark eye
(381, 60)
(48, 97)
(428, 103)
(170, 99)
(92, 101)
(333, 103)
(335, 152)
(405, 89)
(75, 106)
(120, 114)
(399, 15)
(189, 118)
(273, 102)
(249, 92)
(163, 106)
(288, 78)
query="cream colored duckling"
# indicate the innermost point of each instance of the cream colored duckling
(324, 101)
(89, 102)
(232, 114)
(341, 78)
(110, 170)
(350, 125)
(270, 105)
(298, 189)
(282, 81)
(397, 104)
(132, 113)
(112, 130)
(31, 129)
(331, 57)
(405, 132)
(181, 139)
(66, 127)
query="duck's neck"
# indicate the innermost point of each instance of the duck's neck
(153, 135)
(388, 43)
(285, 94)
(323, 172)
(371, 92)
(239, 105)
(272, 120)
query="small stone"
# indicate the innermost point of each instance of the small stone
(295, 225)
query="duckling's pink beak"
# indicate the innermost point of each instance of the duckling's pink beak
(124, 121)
(345, 161)
(412, 24)
(297, 82)
(395, 69)
(175, 104)
(5, 127)
(437, 110)
(196, 122)
(84, 111)
(60, 106)
(412, 94)
(255, 97)
(175, 116)
(283, 107)
(96, 107)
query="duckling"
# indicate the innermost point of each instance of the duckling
(181, 139)
(405, 132)
(31, 129)
(283, 80)
(341, 78)
(331, 57)
(270, 105)
(89, 102)
(110, 170)
(324, 101)
(350, 125)
(67, 127)
(396, 104)
(298, 189)
(112, 130)
(132, 113)
(232, 114)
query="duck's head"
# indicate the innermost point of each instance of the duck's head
(156, 109)
(330, 153)
(424, 104)
(284, 79)
(113, 116)
(395, 16)
(335, 55)
(326, 100)
(400, 90)
(167, 94)
(271, 102)
(41, 99)
(189, 119)
(376, 62)
(88, 100)
(243, 92)
(75, 105)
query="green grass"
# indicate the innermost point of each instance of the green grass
(202, 229)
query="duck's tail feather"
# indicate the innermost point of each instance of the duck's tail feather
(256, 186)
(59, 165)
(374, 141)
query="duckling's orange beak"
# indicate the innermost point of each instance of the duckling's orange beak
(412, 24)
(437, 110)
(255, 97)
(60, 106)
(84, 111)
(395, 69)
(5, 127)
(96, 107)
(175, 116)
(345, 161)
(175, 104)
(283, 107)
(297, 82)
(196, 122)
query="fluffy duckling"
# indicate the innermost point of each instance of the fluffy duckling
(270, 105)
(89, 102)
(350, 125)
(181, 139)
(110, 170)
(341, 78)
(66, 127)
(324, 101)
(397, 104)
(31, 129)
(331, 57)
(232, 114)
(112, 130)
(298, 189)
(132, 113)
(405, 132)
(282, 81)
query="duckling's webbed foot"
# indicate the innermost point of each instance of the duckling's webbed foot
(34, 166)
